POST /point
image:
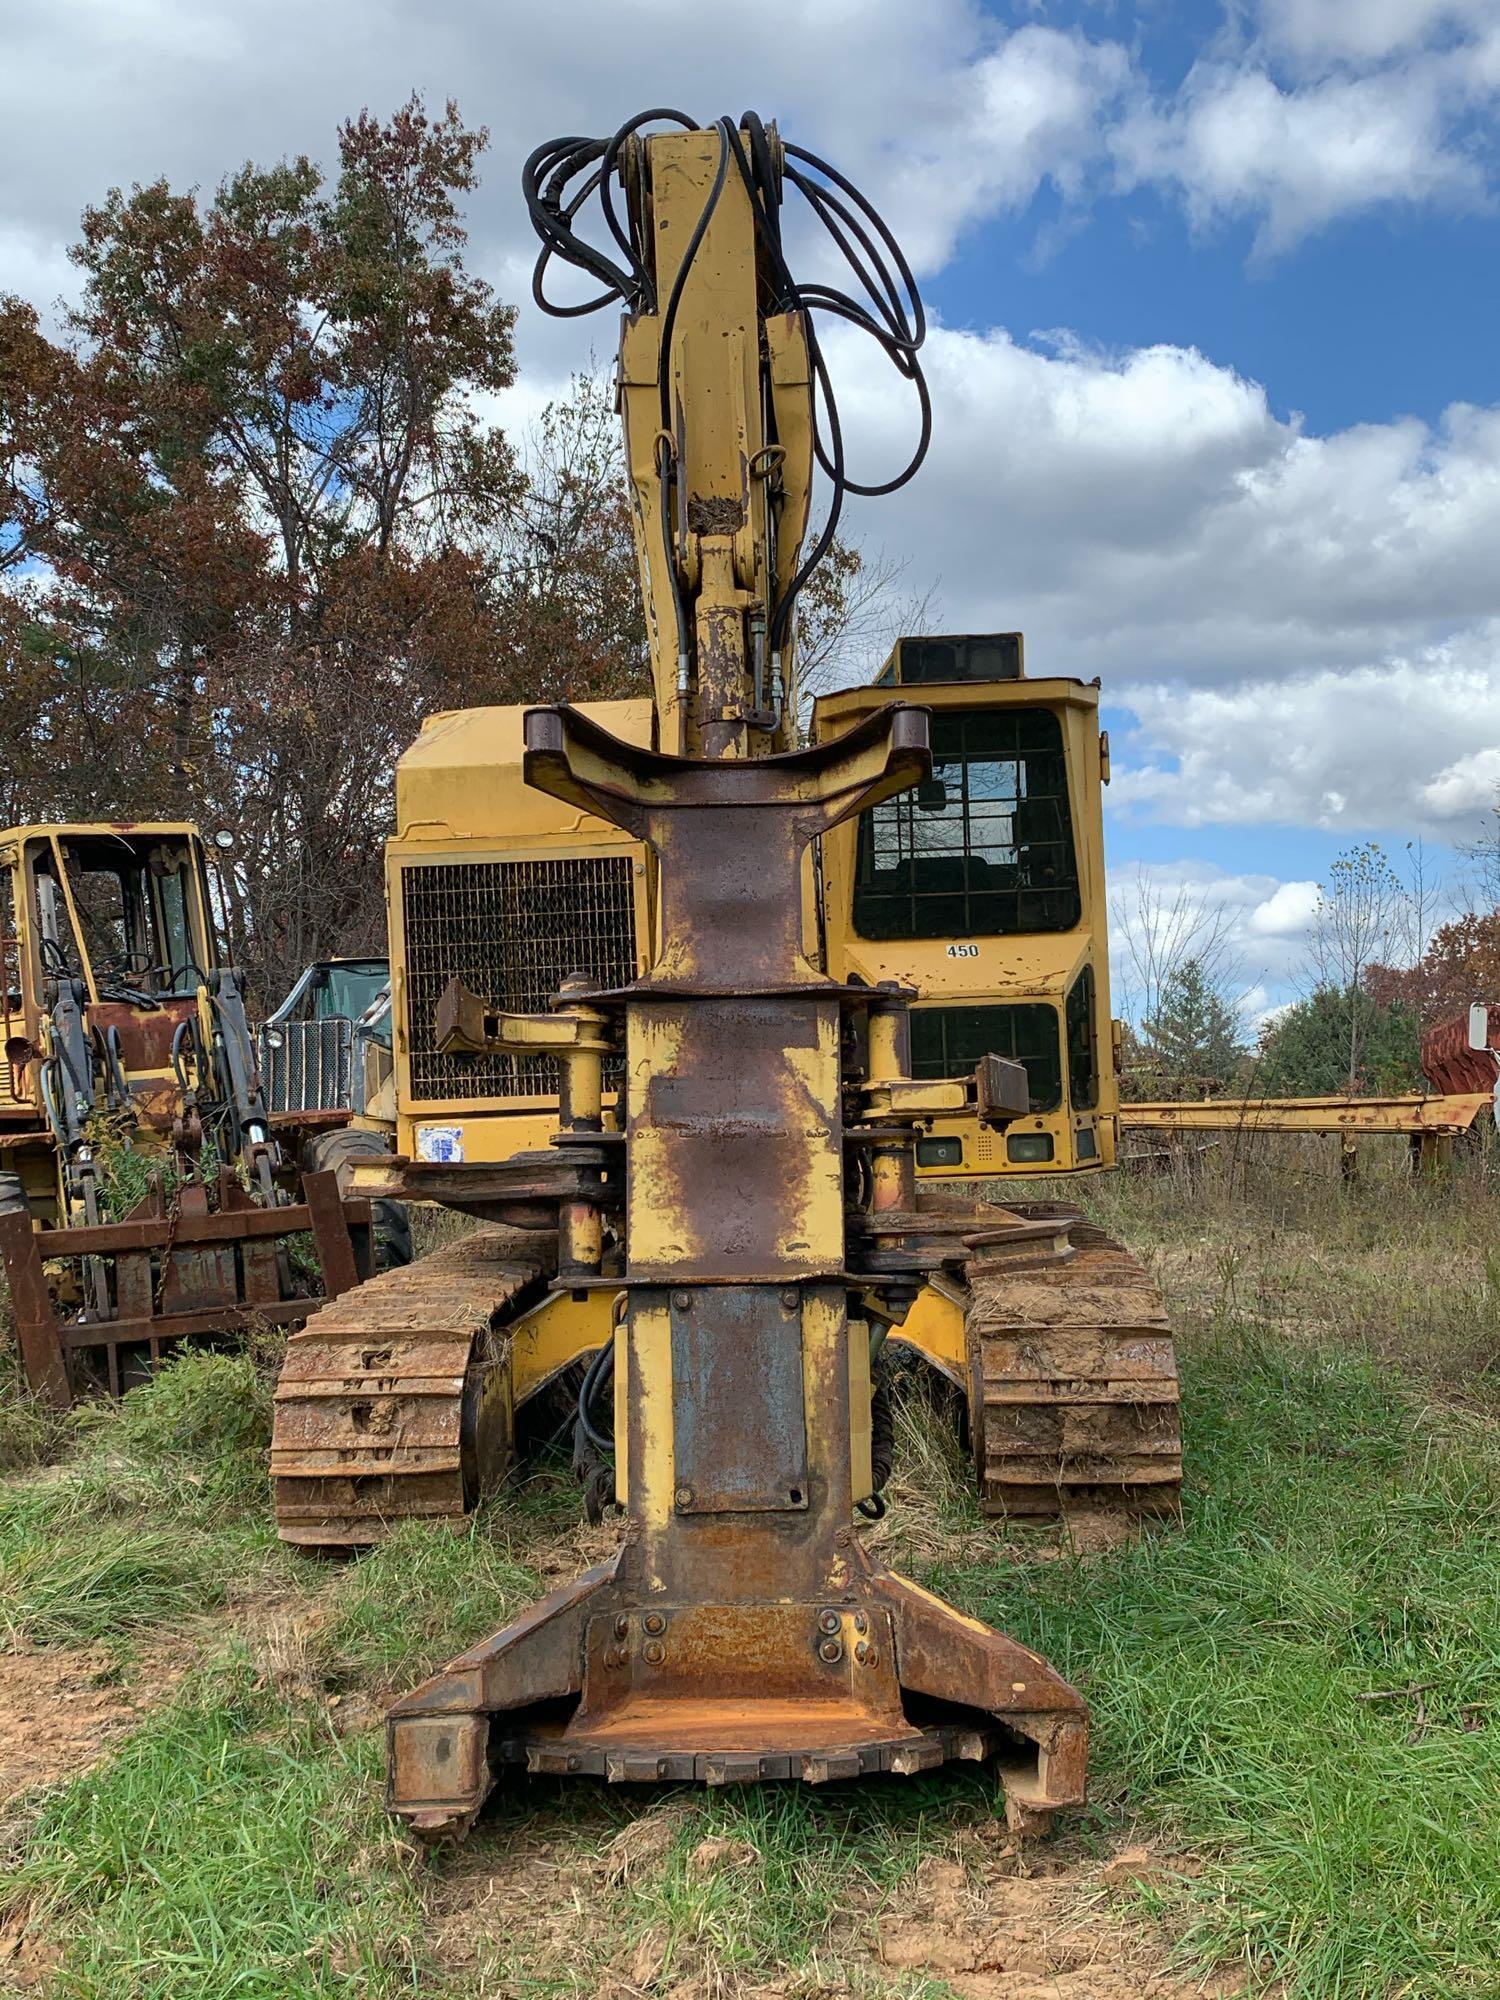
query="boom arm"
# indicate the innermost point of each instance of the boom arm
(725, 396)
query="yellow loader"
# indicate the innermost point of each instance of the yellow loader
(684, 1009)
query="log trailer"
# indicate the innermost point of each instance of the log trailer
(669, 1016)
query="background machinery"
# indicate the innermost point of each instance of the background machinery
(644, 1023)
(147, 1192)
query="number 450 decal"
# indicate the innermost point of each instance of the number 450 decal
(963, 951)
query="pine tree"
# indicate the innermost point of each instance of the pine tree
(1304, 1052)
(1193, 1038)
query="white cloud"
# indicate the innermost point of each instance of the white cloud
(1252, 959)
(1381, 747)
(1469, 785)
(1035, 108)
(1151, 513)
(943, 113)
(1330, 606)
(1236, 142)
(1369, 31)
(1288, 912)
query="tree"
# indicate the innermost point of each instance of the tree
(1304, 1050)
(570, 595)
(259, 513)
(1460, 965)
(1483, 857)
(1161, 933)
(1361, 909)
(850, 613)
(1192, 1042)
(254, 527)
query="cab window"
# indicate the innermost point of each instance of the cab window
(1083, 1051)
(985, 847)
(953, 1041)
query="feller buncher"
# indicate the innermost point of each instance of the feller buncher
(147, 1195)
(698, 1018)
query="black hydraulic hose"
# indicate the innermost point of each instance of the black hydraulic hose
(599, 1371)
(674, 297)
(891, 312)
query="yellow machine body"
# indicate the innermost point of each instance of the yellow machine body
(472, 838)
(645, 1027)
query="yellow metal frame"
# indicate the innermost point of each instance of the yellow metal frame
(1350, 1116)
(458, 784)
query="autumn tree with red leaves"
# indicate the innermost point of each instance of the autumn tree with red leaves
(256, 528)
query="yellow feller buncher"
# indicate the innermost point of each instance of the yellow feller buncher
(147, 1195)
(698, 1016)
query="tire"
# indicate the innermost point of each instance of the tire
(337, 1152)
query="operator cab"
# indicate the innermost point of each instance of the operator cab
(117, 916)
(983, 888)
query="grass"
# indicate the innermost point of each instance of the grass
(1332, 1552)
(231, 1847)
(158, 1514)
(1341, 1541)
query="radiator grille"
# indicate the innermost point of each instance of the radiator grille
(512, 931)
(308, 1065)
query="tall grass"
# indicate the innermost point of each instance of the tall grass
(158, 1513)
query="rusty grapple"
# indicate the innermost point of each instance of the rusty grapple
(742, 1631)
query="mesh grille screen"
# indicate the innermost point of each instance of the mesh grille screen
(512, 931)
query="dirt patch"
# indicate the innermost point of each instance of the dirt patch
(60, 1708)
(28, 1957)
(1001, 1925)
(620, 1916)
(532, 1913)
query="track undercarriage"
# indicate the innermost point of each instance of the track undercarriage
(400, 1401)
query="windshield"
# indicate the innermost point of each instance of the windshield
(349, 990)
(134, 906)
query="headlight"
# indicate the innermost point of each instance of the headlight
(940, 1152)
(1028, 1148)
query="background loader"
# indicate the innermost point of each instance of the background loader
(148, 1192)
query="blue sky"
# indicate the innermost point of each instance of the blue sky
(1214, 361)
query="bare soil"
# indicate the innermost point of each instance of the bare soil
(61, 1707)
(996, 1920)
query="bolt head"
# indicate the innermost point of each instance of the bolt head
(653, 1652)
(862, 1651)
(684, 1496)
(861, 1623)
(828, 1621)
(682, 1301)
(622, 1626)
(654, 1622)
(790, 1299)
(831, 1651)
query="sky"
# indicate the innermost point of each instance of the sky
(1215, 353)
